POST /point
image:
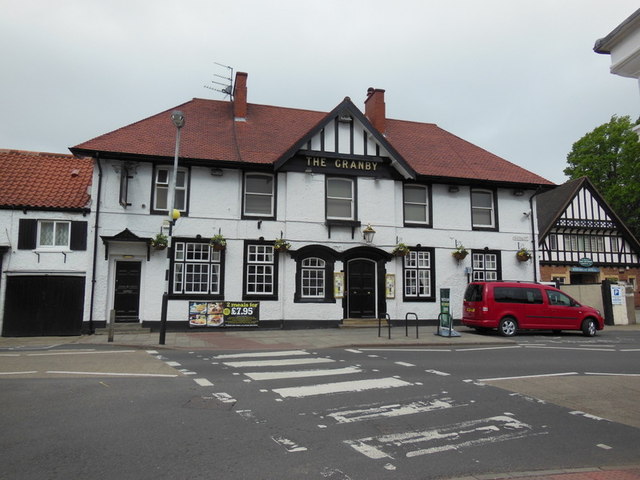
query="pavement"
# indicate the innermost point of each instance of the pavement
(264, 339)
(268, 339)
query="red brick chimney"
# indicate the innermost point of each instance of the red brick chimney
(374, 108)
(240, 96)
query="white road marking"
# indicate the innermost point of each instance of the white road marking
(588, 415)
(486, 348)
(112, 374)
(9, 354)
(79, 352)
(341, 387)
(405, 349)
(289, 445)
(249, 415)
(224, 397)
(203, 382)
(438, 372)
(630, 350)
(604, 446)
(280, 353)
(527, 376)
(173, 364)
(278, 363)
(301, 373)
(574, 348)
(405, 364)
(152, 352)
(614, 374)
(18, 373)
(334, 474)
(352, 350)
(482, 431)
(394, 410)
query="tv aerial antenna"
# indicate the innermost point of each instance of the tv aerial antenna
(225, 87)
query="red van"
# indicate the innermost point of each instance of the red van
(513, 306)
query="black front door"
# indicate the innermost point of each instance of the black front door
(362, 289)
(127, 293)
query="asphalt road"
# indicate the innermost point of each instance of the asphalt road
(547, 402)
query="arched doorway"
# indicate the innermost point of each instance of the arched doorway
(364, 282)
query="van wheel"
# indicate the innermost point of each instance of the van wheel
(508, 327)
(589, 327)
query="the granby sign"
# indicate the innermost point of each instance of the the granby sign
(323, 162)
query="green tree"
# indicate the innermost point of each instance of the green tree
(610, 157)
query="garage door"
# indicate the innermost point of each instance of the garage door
(43, 305)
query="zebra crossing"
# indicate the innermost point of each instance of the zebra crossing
(308, 374)
(301, 359)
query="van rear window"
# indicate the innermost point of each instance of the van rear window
(473, 293)
(517, 295)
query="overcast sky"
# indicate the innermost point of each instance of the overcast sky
(518, 78)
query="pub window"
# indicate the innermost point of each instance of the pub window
(53, 234)
(259, 193)
(485, 266)
(314, 275)
(163, 177)
(197, 269)
(260, 272)
(553, 242)
(418, 274)
(340, 199)
(483, 212)
(416, 205)
(313, 278)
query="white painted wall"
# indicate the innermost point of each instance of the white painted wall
(215, 203)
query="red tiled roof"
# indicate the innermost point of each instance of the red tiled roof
(44, 180)
(210, 133)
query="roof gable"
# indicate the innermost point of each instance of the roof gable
(577, 205)
(44, 180)
(346, 131)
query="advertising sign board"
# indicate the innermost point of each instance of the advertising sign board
(224, 314)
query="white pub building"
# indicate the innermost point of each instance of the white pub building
(298, 218)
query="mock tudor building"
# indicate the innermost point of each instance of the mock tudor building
(582, 240)
(321, 183)
(45, 259)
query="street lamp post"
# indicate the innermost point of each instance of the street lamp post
(177, 118)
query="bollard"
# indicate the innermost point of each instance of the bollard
(112, 318)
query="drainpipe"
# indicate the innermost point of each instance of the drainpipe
(95, 247)
(533, 234)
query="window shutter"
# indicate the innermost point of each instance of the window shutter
(78, 236)
(27, 234)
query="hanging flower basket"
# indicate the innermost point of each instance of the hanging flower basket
(281, 245)
(160, 242)
(218, 242)
(400, 250)
(460, 253)
(523, 255)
